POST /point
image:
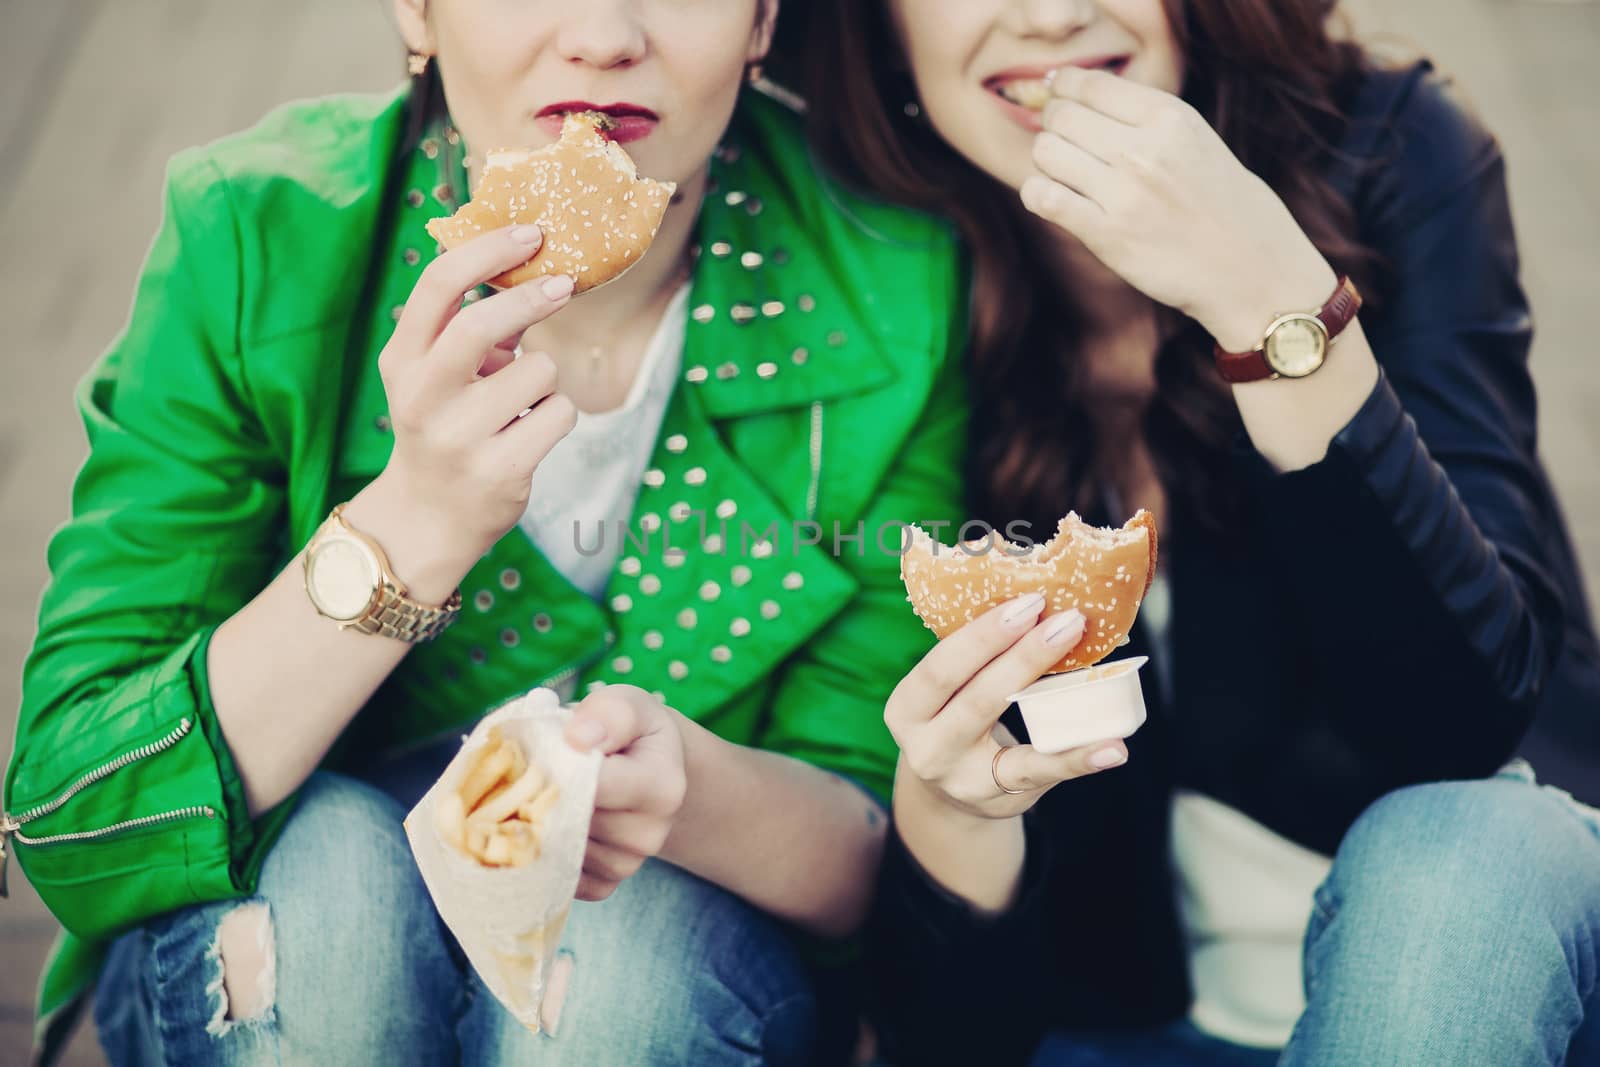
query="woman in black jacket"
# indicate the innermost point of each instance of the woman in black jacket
(1366, 585)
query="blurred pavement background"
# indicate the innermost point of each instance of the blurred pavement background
(97, 94)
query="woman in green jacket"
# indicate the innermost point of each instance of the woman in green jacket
(210, 769)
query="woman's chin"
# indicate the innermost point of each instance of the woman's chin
(1010, 177)
(1009, 161)
(1004, 165)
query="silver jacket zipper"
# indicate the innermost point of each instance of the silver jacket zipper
(11, 825)
(561, 676)
(816, 461)
(460, 729)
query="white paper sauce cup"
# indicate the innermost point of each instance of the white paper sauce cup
(1081, 707)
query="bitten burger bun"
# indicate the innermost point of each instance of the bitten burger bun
(584, 192)
(1103, 572)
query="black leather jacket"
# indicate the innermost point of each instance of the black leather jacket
(1393, 614)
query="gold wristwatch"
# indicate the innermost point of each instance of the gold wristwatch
(349, 580)
(1295, 344)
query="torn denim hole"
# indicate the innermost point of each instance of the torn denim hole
(244, 987)
(555, 991)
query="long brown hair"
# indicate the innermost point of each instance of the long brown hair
(1267, 74)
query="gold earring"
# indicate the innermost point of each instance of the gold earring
(417, 63)
(755, 74)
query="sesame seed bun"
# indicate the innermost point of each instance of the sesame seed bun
(584, 192)
(1103, 572)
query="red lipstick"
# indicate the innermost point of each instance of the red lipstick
(630, 122)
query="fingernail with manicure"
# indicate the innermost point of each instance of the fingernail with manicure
(1064, 628)
(557, 287)
(526, 235)
(1107, 758)
(1023, 609)
(587, 732)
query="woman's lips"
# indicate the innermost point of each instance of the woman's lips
(629, 122)
(1022, 94)
(624, 129)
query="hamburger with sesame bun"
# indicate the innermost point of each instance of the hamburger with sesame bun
(1101, 571)
(597, 214)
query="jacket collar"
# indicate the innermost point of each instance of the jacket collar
(771, 325)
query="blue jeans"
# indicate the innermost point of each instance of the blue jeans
(1460, 925)
(670, 970)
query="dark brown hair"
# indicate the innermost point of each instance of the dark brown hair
(1267, 74)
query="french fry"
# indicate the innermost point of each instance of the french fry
(522, 843)
(534, 811)
(450, 817)
(523, 852)
(492, 765)
(495, 813)
(505, 804)
(497, 852)
(477, 840)
(519, 761)
(498, 790)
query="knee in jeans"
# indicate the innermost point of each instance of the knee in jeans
(339, 932)
(729, 939)
(344, 853)
(744, 957)
(343, 892)
(720, 968)
(1491, 847)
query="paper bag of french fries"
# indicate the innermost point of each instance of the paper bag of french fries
(500, 840)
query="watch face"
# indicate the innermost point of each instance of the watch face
(1296, 347)
(342, 578)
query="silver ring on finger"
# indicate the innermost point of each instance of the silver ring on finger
(994, 772)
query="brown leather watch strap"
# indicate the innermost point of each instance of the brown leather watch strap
(1341, 308)
(1335, 316)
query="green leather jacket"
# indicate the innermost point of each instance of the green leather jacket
(821, 383)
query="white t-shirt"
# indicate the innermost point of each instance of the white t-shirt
(1244, 896)
(589, 482)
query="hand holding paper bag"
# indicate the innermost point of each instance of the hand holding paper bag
(544, 804)
(642, 782)
(500, 840)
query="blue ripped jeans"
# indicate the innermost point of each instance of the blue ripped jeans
(1460, 926)
(670, 970)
